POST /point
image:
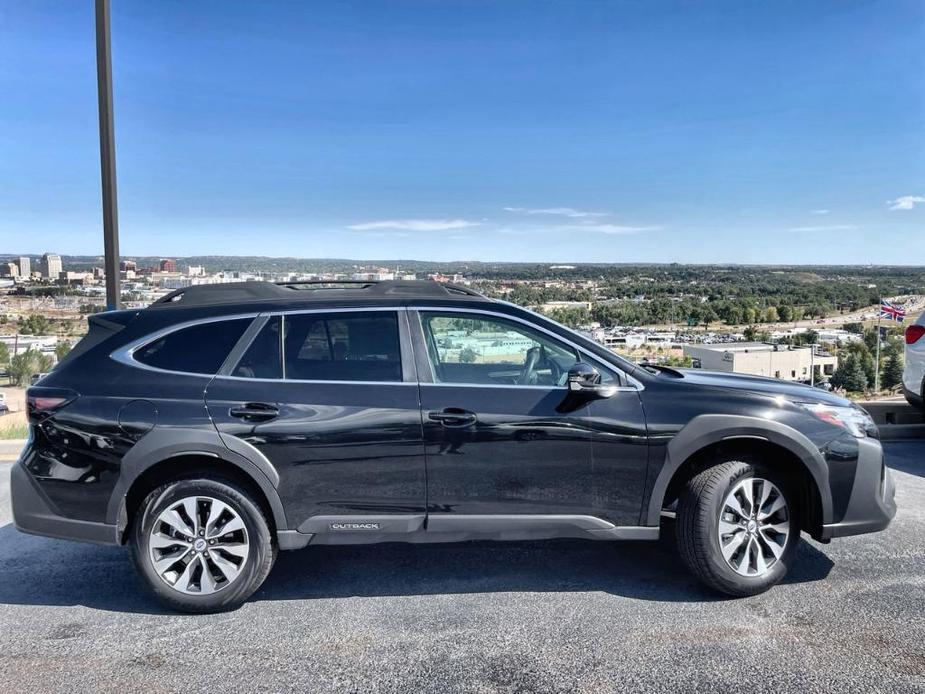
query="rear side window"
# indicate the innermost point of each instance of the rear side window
(262, 358)
(355, 346)
(198, 349)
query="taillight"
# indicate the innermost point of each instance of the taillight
(42, 402)
(914, 333)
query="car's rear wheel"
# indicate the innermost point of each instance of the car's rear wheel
(738, 527)
(202, 545)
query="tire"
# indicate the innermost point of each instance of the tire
(238, 556)
(705, 502)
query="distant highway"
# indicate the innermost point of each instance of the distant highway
(914, 306)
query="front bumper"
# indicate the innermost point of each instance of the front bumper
(33, 513)
(872, 504)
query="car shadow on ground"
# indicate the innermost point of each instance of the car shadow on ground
(42, 571)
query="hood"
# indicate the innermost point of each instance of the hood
(761, 384)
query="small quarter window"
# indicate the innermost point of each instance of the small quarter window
(262, 358)
(198, 349)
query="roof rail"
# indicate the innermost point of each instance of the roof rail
(234, 292)
(430, 287)
(222, 293)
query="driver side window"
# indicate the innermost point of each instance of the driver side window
(487, 350)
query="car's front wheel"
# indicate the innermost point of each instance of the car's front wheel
(202, 545)
(738, 527)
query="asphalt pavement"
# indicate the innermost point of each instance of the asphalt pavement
(557, 616)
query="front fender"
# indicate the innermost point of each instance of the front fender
(707, 429)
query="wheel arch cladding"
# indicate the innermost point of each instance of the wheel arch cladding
(157, 459)
(708, 435)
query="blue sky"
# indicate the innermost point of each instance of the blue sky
(749, 132)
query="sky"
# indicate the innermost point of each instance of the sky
(709, 132)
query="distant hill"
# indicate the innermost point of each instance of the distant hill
(513, 270)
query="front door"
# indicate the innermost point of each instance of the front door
(497, 438)
(329, 400)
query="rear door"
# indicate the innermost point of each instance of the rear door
(330, 399)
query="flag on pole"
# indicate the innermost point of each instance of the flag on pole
(891, 311)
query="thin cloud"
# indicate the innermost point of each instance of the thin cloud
(825, 227)
(820, 211)
(415, 224)
(569, 212)
(905, 202)
(616, 229)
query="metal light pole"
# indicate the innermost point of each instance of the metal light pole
(812, 364)
(107, 156)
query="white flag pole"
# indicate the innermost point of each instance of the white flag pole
(877, 357)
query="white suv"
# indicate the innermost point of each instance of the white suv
(914, 373)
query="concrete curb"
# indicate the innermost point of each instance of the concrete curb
(10, 448)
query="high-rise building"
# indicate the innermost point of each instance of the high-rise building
(9, 269)
(168, 265)
(25, 266)
(51, 266)
(128, 265)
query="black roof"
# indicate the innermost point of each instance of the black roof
(242, 292)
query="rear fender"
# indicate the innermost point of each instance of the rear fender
(162, 444)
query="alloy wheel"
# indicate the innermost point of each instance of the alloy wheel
(198, 545)
(754, 525)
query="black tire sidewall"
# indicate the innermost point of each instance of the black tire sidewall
(724, 577)
(257, 564)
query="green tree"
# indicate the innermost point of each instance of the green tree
(856, 328)
(892, 373)
(467, 355)
(771, 315)
(26, 363)
(850, 375)
(34, 324)
(785, 313)
(864, 357)
(61, 349)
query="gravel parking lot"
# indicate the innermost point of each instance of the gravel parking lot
(480, 617)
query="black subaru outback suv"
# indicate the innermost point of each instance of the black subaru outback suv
(224, 423)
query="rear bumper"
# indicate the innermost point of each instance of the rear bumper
(33, 513)
(913, 398)
(872, 504)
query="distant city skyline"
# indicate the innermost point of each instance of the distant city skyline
(512, 132)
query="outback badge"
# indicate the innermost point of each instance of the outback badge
(354, 526)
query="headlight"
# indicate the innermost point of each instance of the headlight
(854, 419)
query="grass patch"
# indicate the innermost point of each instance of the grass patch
(14, 426)
(16, 431)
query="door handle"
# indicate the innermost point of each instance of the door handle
(255, 411)
(453, 417)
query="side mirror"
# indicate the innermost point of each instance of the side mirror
(584, 380)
